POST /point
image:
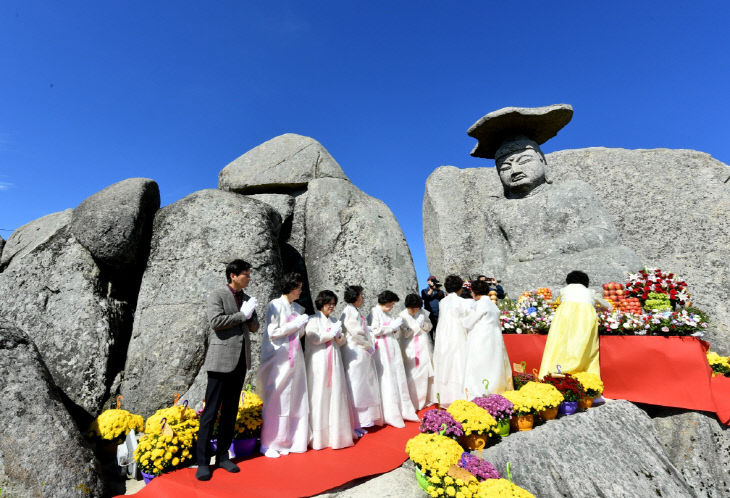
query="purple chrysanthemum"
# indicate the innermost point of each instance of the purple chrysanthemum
(497, 405)
(435, 421)
(481, 469)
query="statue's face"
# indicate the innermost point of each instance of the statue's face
(521, 171)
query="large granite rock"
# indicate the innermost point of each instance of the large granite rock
(699, 447)
(2, 245)
(283, 163)
(607, 451)
(192, 241)
(26, 238)
(672, 207)
(352, 238)
(42, 453)
(398, 483)
(115, 223)
(53, 289)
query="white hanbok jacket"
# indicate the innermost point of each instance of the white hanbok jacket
(330, 415)
(282, 381)
(362, 378)
(417, 350)
(449, 353)
(486, 354)
(396, 399)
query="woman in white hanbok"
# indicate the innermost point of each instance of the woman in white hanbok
(357, 355)
(449, 352)
(394, 394)
(416, 347)
(282, 378)
(330, 415)
(486, 354)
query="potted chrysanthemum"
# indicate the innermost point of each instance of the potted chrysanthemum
(248, 424)
(433, 455)
(593, 387)
(571, 390)
(498, 407)
(477, 423)
(111, 427)
(167, 448)
(441, 422)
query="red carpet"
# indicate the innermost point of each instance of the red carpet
(665, 371)
(297, 474)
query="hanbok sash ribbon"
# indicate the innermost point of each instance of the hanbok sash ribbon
(417, 343)
(293, 341)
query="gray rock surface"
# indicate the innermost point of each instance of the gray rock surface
(700, 449)
(672, 207)
(282, 204)
(55, 292)
(32, 234)
(285, 162)
(352, 238)
(115, 223)
(42, 453)
(192, 241)
(609, 451)
(2, 245)
(398, 483)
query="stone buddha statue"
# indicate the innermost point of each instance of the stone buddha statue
(542, 230)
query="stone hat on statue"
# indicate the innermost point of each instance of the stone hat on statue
(536, 123)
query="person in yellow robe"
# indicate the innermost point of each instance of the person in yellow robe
(572, 340)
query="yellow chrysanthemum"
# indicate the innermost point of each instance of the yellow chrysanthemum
(497, 488)
(592, 383)
(473, 418)
(115, 424)
(433, 453)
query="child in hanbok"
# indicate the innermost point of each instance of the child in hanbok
(486, 354)
(330, 416)
(282, 378)
(357, 355)
(396, 399)
(572, 340)
(415, 344)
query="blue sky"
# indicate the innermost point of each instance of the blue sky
(95, 92)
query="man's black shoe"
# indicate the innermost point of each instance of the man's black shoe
(203, 473)
(229, 466)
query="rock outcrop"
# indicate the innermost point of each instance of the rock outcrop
(26, 238)
(42, 453)
(611, 451)
(115, 223)
(2, 245)
(192, 241)
(53, 289)
(283, 163)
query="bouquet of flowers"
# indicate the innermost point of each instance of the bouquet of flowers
(618, 323)
(250, 416)
(650, 280)
(569, 387)
(496, 488)
(158, 452)
(497, 405)
(438, 421)
(592, 383)
(472, 418)
(433, 454)
(675, 323)
(531, 314)
(173, 415)
(481, 469)
(114, 425)
(720, 364)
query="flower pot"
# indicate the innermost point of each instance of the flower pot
(422, 480)
(549, 413)
(585, 403)
(243, 447)
(214, 445)
(568, 408)
(147, 477)
(525, 422)
(598, 401)
(473, 441)
(503, 427)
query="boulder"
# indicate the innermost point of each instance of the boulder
(2, 245)
(192, 241)
(281, 164)
(55, 291)
(42, 452)
(398, 483)
(672, 207)
(352, 238)
(610, 450)
(26, 238)
(699, 447)
(115, 223)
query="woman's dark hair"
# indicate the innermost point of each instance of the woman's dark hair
(237, 266)
(387, 296)
(453, 283)
(577, 277)
(480, 287)
(413, 301)
(291, 281)
(324, 297)
(352, 292)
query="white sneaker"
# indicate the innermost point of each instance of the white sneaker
(270, 453)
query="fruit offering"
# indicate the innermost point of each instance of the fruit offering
(545, 293)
